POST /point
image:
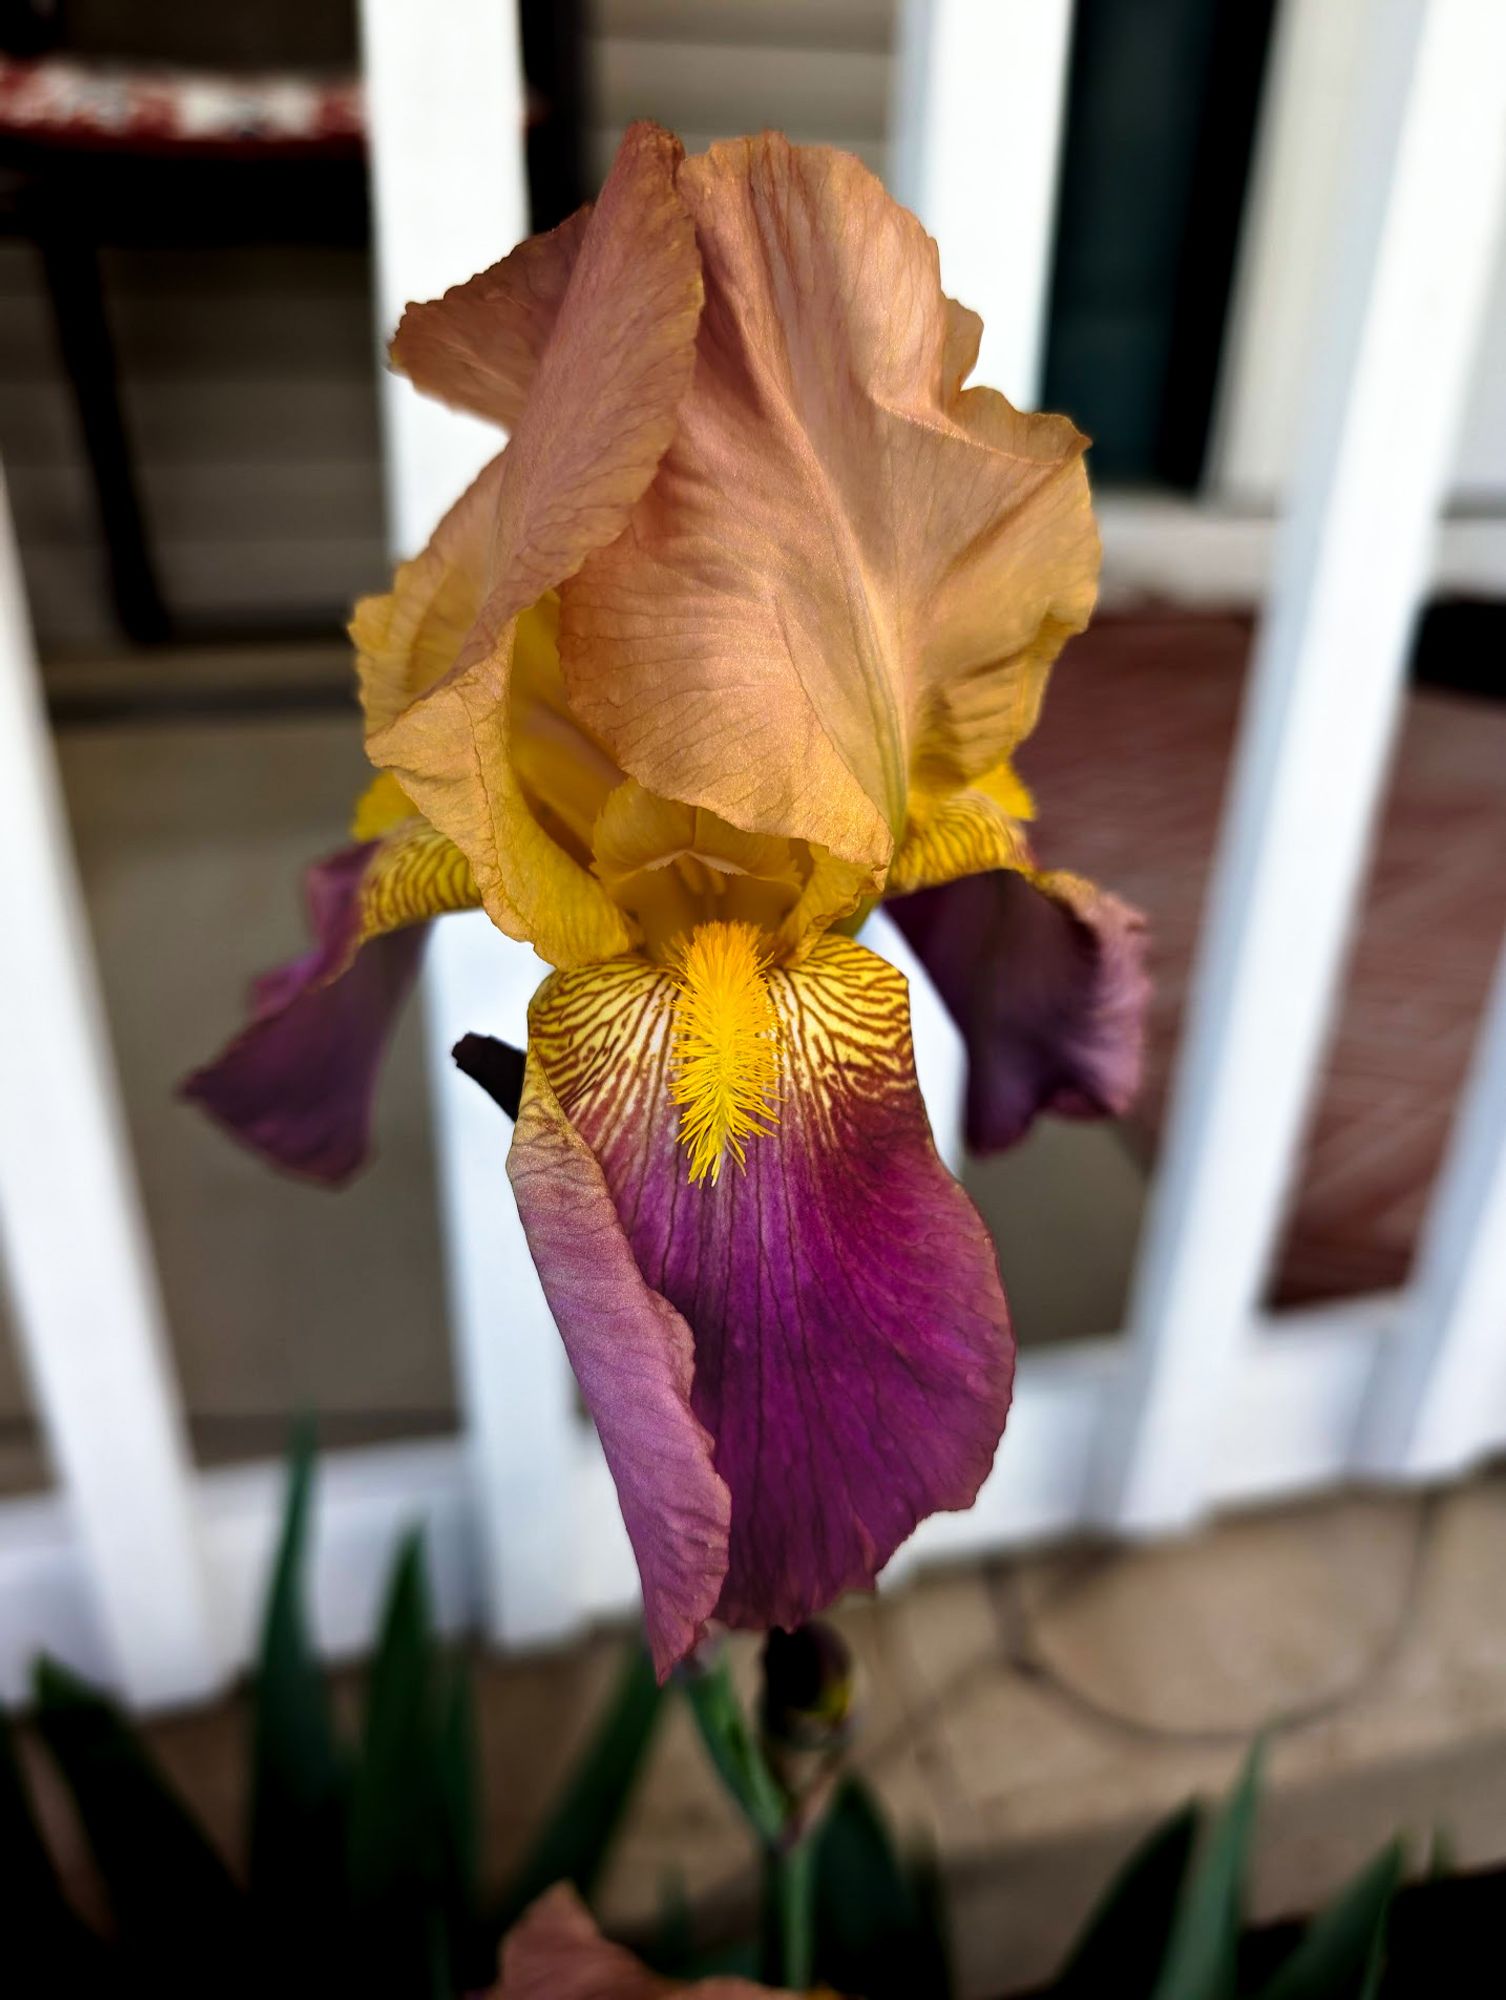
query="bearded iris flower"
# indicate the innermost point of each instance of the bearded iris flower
(738, 634)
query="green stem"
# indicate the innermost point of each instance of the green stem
(731, 1746)
(789, 1878)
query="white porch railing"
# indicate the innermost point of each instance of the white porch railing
(142, 1570)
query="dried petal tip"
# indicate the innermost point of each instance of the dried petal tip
(496, 1066)
(726, 1048)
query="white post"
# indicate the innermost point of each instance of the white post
(73, 1245)
(1439, 1395)
(527, 1438)
(444, 92)
(1409, 291)
(449, 195)
(979, 98)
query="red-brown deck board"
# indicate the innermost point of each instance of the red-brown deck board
(1128, 767)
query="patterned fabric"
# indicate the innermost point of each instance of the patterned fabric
(59, 101)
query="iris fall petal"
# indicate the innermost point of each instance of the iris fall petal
(846, 1391)
(1044, 975)
(297, 1083)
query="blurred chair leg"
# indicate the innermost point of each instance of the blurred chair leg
(70, 265)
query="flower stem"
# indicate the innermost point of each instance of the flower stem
(734, 1752)
(788, 1914)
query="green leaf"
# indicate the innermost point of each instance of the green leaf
(1202, 1955)
(1124, 1946)
(298, 1774)
(732, 1749)
(176, 1907)
(473, 1952)
(396, 1834)
(876, 1924)
(1341, 1952)
(41, 1926)
(573, 1843)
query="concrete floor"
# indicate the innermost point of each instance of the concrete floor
(191, 837)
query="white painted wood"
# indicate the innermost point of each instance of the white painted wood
(450, 196)
(1442, 1384)
(1306, 129)
(523, 1422)
(1286, 1428)
(940, 1052)
(73, 1246)
(1195, 552)
(444, 98)
(1306, 123)
(1424, 191)
(976, 124)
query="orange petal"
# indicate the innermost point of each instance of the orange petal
(599, 416)
(848, 562)
(478, 347)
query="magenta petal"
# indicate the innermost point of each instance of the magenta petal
(1045, 977)
(297, 1084)
(853, 1358)
(633, 1358)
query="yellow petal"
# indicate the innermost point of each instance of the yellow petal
(414, 874)
(382, 806)
(964, 833)
(410, 637)
(673, 866)
(849, 565)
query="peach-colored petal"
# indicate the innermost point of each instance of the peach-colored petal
(848, 562)
(598, 419)
(478, 347)
(555, 1952)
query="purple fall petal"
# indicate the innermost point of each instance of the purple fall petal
(853, 1359)
(298, 1083)
(1045, 977)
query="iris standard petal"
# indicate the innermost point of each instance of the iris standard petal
(478, 347)
(555, 1952)
(846, 559)
(597, 420)
(1045, 976)
(297, 1084)
(852, 1351)
(545, 779)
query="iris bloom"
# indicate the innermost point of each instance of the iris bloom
(739, 634)
(555, 1952)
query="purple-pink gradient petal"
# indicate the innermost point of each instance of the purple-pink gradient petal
(633, 1358)
(297, 1085)
(853, 1357)
(1045, 976)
